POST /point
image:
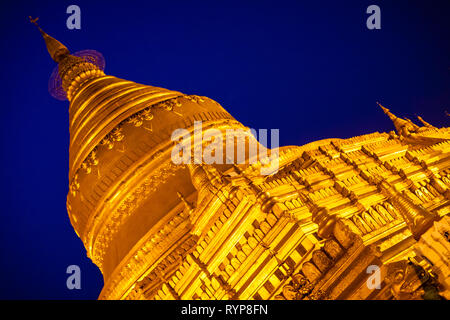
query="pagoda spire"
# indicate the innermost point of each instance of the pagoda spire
(55, 48)
(72, 69)
(426, 124)
(398, 122)
(403, 127)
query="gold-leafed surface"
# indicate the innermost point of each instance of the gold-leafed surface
(311, 230)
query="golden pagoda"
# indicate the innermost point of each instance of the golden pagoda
(334, 216)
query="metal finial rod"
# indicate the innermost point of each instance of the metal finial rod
(34, 21)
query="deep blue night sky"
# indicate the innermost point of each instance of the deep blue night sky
(310, 68)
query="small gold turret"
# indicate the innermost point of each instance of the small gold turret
(403, 127)
(418, 219)
(161, 229)
(426, 124)
(415, 126)
(72, 69)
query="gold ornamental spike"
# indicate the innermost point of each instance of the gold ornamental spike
(55, 48)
